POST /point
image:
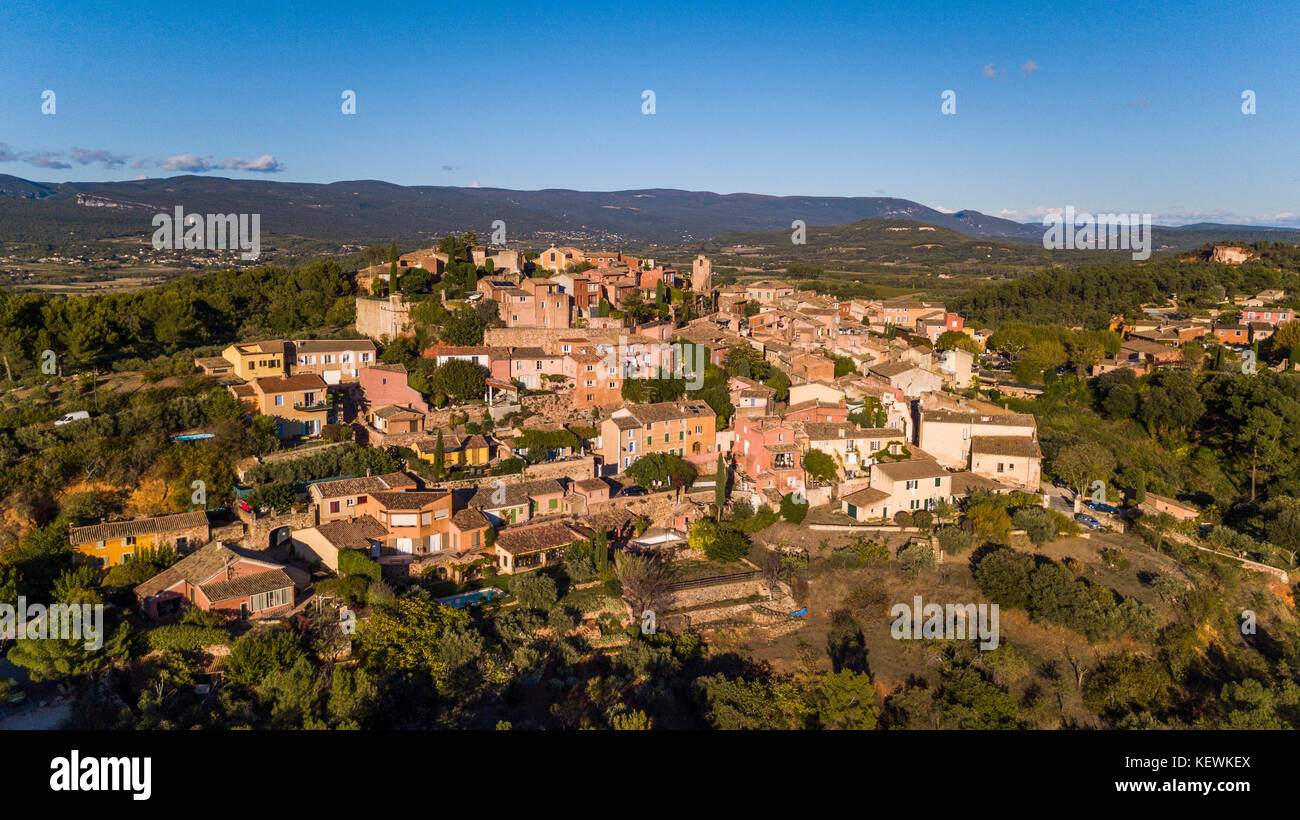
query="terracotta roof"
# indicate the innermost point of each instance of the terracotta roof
(865, 498)
(470, 519)
(413, 500)
(252, 348)
(138, 526)
(196, 568)
(669, 411)
(283, 384)
(354, 534)
(332, 345)
(389, 411)
(536, 537)
(245, 585)
(1006, 446)
(910, 470)
(362, 485)
(516, 495)
(888, 370)
(965, 417)
(966, 482)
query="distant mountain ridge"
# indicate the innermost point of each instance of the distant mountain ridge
(376, 211)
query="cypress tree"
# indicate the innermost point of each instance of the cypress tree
(720, 486)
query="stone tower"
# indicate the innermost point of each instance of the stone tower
(702, 274)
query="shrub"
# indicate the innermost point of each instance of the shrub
(355, 562)
(185, 637)
(954, 540)
(870, 553)
(535, 590)
(759, 521)
(1003, 575)
(730, 544)
(1037, 524)
(351, 588)
(914, 558)
(256, 655)
(509, 466)
(903, 518)
(1114, 559)
(792, 510)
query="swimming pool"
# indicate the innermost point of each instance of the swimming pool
(464, 599)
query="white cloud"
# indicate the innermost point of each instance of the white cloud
(265, 164)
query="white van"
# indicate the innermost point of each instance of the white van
(75, 415)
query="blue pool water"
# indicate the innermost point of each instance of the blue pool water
(192, 437)
(478, 596)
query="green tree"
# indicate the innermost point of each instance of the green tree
(720, 487)
(1037, 523)
(535, 590)
(439, 456)
(256, 656)
(820, 465)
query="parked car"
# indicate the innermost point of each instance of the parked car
(75, 415)
(11, 693)
(1087, 521)
(1099, 507)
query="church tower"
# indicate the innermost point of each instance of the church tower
(702, 275)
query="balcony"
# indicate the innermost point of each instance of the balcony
(312, 407)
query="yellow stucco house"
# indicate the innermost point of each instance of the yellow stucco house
(253, 360)
(115, 543)
(458, 451)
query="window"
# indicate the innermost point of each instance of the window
(999, 466)
(334, 506)
(129, 541)
(270, 600)
(100, 545)
(936, 481)
(279, 401)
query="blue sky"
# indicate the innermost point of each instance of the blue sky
(1100, 106)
